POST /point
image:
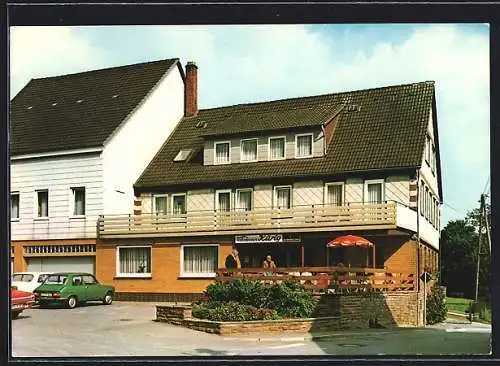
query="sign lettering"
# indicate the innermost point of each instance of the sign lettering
(266, 238)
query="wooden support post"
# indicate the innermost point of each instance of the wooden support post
(302, 254)
(373, 255)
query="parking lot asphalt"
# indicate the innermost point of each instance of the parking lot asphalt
(129, 329)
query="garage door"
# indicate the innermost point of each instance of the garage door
(62, 264)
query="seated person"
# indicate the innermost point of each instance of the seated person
(268, 263)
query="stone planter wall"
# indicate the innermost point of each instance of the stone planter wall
(333, 312)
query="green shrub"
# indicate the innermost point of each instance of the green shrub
(232, 311)
(436, 305)
(480, 308)
(288, 299)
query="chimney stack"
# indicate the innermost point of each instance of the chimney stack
(191, 90)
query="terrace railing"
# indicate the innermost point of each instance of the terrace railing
(265, 220)
(327, 279)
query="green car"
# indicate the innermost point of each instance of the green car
(70, 288)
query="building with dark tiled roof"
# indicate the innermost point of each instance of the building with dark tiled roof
(286, 178)
(77, 147)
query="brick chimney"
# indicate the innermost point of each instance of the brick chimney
(191, 90)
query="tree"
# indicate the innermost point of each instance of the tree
(458, 258)
(459, 245)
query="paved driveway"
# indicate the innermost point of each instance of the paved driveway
(128, 329)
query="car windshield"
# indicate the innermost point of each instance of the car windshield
(55, 280)
(22, 277)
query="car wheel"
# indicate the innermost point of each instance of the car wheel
(72, 302)
(15, 314)
(108, 299)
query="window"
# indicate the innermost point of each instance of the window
(14, 205)
(42, 199)
(134, 261)
(160, 204)
(248, 150)
(283, 197)
(179, 204)
(223, 200)
(433, 159)
(334, 194)
(277, 148)
(22, 277)
(78, 201)
(57, 279)
(42, 278)
(183, 155)
(89, 280)
(199, 260)
(304, 145)
(77, 280)
(222, 152)
(426, 203)
(374, 191)
(244, 199)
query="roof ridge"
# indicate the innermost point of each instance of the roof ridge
(316, 96)
(108, 68)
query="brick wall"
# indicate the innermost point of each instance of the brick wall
(401, 255)
(165, 265)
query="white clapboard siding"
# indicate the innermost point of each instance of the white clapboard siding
(57, 175)
(307, 193)
(354, 190)
(201, 200)
(397, 188)
(263, 196)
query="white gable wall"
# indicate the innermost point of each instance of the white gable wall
(136, 142)
(429, 177)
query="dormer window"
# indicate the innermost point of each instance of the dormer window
(277, 148)
(222, 152)
(304, 145)
(248, 150)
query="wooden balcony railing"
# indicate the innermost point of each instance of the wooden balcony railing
(296, 219)
(327, 279)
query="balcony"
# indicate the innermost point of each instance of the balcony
(311, 218)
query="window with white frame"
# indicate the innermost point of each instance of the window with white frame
(244, 199)
(199, 260)
(283, 197)
(277, 148)
(334, 195)
(374, 191)
(78, 201)
(179, 204)
(133, 261)
(14, 205)
(160, 204)
(42, 203)
(223, 200)
(433, 159)
(304, 145)
(222, 152)
(249, 150)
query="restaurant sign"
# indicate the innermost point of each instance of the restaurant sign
(266, 238)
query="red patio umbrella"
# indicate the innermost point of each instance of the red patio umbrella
(352, 241)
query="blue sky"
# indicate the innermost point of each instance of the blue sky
(246, 63)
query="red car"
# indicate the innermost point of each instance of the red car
(19, 301)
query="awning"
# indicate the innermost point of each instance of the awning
(349, 241)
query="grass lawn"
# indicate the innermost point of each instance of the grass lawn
(457, 304)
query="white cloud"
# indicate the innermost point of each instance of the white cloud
(48, 51)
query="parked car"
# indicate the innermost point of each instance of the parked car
(20, 301)
(28, 281)
(70, 288)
